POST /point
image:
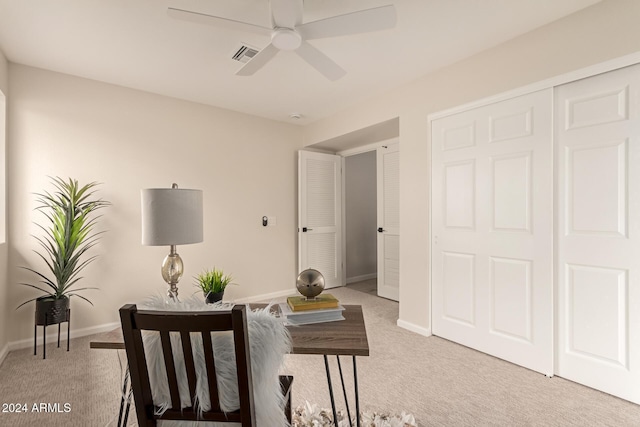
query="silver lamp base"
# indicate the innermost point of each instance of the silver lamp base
(172, 269)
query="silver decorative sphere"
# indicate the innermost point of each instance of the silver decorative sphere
(310, 283)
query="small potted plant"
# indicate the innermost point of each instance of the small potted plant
(213, 282)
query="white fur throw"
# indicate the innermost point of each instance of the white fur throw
(311, 415)
(269, 341)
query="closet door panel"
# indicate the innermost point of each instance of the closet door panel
(598, 259)
(492, 243)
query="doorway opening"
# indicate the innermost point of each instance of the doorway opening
(371, 212)
(360, 213)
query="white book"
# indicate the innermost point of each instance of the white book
(311, 316)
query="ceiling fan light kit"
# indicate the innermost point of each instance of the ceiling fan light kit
(289, 33)
(286, 39)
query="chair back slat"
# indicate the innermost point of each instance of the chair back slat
(198, 321)
(187, 350)
(243, 358)
(170, 368)
(212, 378)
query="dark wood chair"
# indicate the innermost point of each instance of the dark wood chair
(134, 321)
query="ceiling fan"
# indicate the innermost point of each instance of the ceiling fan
(288, 32)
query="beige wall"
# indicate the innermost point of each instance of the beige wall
(65, 126)
(4, 304)
(599, 33)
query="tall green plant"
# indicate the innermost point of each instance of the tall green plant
(68, 236)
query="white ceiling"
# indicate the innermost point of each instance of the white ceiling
(134, 43)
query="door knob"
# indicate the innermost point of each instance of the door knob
(380, 229)
(305, 229)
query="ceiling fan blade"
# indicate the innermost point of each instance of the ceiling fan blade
(258, 61)
(201, 18)
(321, 62)
(378, 18)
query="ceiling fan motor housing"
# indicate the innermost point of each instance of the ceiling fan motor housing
(286, 39)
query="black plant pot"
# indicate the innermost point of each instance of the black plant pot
(212, 297)
(51, 311)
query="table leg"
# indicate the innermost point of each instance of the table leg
(355, 386)
(125, 384)
(124, 409)
(344, 392)
(35, 337)
(333, 402)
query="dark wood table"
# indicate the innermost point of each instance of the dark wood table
(342, 338)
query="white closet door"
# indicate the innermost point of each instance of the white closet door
(598, 270)
(388, 176)
(492, 248)
(320, 215)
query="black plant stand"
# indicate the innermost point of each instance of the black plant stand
(47, 322)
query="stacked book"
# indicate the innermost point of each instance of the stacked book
(302, 311)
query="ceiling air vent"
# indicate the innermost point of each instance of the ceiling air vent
(244, 53)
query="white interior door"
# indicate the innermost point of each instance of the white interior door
(388, 202)
(598, 273)
(320, 215)
(492, 248)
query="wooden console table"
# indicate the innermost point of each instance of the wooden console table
(343, 338)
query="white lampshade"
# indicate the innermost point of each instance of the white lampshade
(171, 216)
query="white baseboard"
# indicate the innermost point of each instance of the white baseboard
(414, 328)
(4, 352)
(361, 278)
(53, 336)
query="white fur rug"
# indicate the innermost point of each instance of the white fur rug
(311, 415)
(269, 341)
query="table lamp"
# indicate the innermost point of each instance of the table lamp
(171, 217)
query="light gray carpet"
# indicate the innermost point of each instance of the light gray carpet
(441, 383)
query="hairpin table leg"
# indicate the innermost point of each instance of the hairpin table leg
(355, 386)
(344, 392)
(124, 400)
(333, 402)
(35, 337)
